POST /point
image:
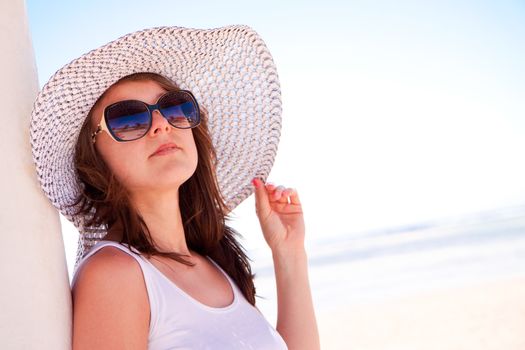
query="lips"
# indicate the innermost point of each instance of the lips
(163, 147)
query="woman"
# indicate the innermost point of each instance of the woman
(167, 272)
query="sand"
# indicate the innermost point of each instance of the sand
(481, 316)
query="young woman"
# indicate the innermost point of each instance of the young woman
(165, 271)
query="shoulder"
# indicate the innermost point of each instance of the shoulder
(110, 302)
(107, 264)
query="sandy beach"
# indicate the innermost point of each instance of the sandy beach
(456, 285)
(482, 316)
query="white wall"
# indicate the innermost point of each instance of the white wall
(35, 298)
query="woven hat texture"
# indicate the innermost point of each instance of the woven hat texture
(229, 70)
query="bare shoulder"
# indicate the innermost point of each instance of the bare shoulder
(110, 303)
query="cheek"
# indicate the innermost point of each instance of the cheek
(194, 158)
(121, 164)
(192, 150)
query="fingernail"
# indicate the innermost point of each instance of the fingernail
(255, 182)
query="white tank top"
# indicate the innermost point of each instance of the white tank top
(179, 321)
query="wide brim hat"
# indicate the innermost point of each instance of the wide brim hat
(229, 70)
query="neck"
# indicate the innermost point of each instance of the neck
(161, 212)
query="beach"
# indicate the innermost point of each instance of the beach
(457, 284)
(488, 315)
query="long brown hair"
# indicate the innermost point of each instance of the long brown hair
(203, 208)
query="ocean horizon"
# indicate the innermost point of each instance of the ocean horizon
(398, 261)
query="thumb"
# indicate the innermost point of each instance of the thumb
(262, 201)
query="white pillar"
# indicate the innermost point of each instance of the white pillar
(35, 297)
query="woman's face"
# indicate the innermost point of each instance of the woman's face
(132, 162)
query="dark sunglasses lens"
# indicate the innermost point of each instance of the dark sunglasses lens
(128, 120)
(180, 110)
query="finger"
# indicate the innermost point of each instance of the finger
(277, 194)
(262, 201)
(294, 197)
(285, 197)
(270, 187)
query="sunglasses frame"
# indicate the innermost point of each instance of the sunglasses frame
(102, 126)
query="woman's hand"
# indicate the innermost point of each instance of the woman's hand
(282, 222)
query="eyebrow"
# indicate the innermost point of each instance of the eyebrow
(160, 94)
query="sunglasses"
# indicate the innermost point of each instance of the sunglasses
(131, 120)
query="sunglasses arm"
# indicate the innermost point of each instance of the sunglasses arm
(100, 127)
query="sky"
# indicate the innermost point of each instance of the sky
(393, 112)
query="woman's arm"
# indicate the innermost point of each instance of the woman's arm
(110, 303)
(281, 217)
(295, 311)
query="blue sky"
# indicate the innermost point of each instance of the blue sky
(392, 112)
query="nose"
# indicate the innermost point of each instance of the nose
(158, 123)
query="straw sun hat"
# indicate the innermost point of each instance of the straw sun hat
(230, 72)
